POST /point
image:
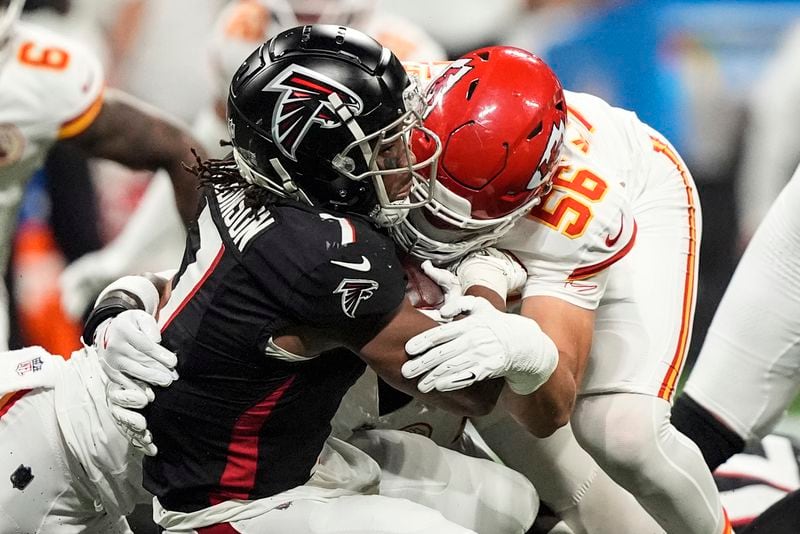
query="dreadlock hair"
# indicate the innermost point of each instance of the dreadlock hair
(223, 175)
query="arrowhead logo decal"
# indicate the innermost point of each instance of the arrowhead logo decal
(444, 82)
(306, 100)
(355, 291)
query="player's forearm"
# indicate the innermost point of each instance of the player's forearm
(474, 401)
(494, 299)
(140, 137)
(170, 148)
(548, 408)
(385, 353)
(570, 328)
(147, 292)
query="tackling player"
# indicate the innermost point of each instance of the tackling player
(603, 214)
(71, 470)
(54, 91)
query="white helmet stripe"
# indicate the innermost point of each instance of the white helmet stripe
(358, 134)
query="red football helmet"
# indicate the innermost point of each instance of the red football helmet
(500, 115)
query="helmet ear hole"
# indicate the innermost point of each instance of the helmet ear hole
(471, 89)
(536, 131)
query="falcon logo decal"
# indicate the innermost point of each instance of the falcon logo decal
(308, 97)
(354, 291)
(444, 82)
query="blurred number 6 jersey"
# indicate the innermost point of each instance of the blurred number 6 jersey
(52, 89)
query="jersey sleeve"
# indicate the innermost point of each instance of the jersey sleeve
(357, 286)
(63, 76)
(573, 266)
(324, 270)
(81, 94)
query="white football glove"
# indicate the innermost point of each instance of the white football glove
(485, 344)
(493, 269)
(123, 403)
(128, 348)
(129, 344)
(451, 287)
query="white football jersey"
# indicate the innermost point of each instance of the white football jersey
(52, 89)
(619, 233)
(586, 223)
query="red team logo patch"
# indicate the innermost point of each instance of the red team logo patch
(354, 291)
(307, 98)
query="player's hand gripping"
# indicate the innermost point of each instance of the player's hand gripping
(133, 360)
(448, 281)
(485, 344)
(492, 269)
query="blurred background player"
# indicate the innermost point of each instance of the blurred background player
(54, 92)
(769, 152)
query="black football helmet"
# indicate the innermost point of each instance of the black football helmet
(310, 111)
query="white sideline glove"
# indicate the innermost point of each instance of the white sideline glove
(485, 344)
(128, 348)
(492, 268)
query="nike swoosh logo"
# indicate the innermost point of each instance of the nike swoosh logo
(611, 241)
(362, 266)
(469, 378)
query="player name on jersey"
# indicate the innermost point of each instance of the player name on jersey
(243, 223)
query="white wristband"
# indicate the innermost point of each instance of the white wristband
(137, 285)
(477, 274)
(524, 381)
(492, 269)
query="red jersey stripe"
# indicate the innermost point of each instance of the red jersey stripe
(669, 382)
(591, 270)
(242, 462)
(221, 528)
(197, 286)
(8, 401)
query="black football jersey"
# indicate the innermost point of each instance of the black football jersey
(244, 420)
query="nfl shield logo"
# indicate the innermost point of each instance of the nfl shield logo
(30, 366)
